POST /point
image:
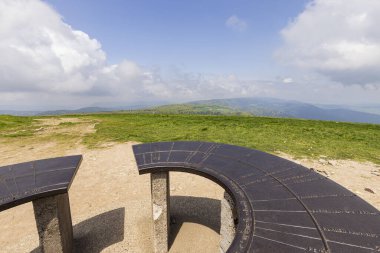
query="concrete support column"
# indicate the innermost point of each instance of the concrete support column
(228, 222)
(160, 210)
(54, 224)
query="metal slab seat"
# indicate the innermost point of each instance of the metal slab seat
(46, 183)
(281, 206)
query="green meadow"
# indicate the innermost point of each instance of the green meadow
(299, 138)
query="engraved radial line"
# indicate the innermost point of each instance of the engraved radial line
(286, 225)
(14, 179)
(199, 147)
(151, 155)
(320, 231)
(266, 200)
(353, 245)
(52, 185)
(280, 211)
(157, 154)
(6, 186)
(209, 148)
(327, 196)
(189, 156)
(15, 182)
(59, 169)
(34, 174)
(315, 238)
(192, 154)
(208, 152)
(297, 177)
(323, 237)
(240, 161)
(281, 242)
(307, 180)
(204, 158)
(170, 152)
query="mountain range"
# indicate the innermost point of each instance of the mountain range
(257, 106)
(271, 107)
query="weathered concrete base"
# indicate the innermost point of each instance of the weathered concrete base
(160, 211)
(228, 218)
(54, 224)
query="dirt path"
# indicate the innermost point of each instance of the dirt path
(110, 202)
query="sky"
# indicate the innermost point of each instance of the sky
(69, 54)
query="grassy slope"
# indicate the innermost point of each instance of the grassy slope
(14, 126)
(296, 137)
(308, 138)
(194, 109)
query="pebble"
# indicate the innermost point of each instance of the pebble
(369, 190)
(332, 163)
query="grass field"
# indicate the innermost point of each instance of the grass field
(195, 109)
(13, 126)
(300, 138)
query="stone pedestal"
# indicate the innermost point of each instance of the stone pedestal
(54, 224)
(160, 211)
(228, 218)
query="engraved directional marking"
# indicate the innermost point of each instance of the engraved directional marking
(282, 206)
(33, 180)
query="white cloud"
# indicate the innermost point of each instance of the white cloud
(339, 39)
(41, 53)
(236, 23)
(45, 60)
(287, 80)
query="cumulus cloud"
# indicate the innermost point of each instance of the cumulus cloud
(45, 60)
(236, 23)
(40, 52)
(339, 39)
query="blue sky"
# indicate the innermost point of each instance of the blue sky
(190, 34)
(68, 54)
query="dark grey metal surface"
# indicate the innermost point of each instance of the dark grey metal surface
(24, 182)
(282, 206)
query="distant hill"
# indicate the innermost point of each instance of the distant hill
(76, 111)
(194, 109)
(370, 108)
(83, 110)
(18, 113)
(92, 109)
(268, 107)
(57, 112)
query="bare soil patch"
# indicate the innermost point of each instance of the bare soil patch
(64, 125)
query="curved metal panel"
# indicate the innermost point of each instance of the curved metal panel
(282, 206)
(24, 182)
